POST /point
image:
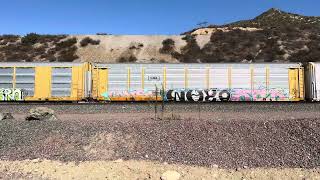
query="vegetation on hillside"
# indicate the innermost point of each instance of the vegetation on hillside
(277, 18)
(267, 45)
(87, 40)
(283, 37)
(168, 46)
(37, 47)
(273, 18)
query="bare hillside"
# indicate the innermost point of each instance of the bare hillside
(274, 36)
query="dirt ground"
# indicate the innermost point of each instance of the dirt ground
(221, 141)
(128, 170)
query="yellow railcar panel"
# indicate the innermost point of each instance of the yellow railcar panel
(103, 78)
(294, 84)
(78, 81)
(74, 82)
(100, 83)
(95, 83)
(77, 87)
(301, 83)
(128, 79)
(267, 77)
(251, 77)
(42, 83)
(164, 77)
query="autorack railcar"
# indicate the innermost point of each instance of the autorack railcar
(44, 81)
(198, 82)
(148, 82)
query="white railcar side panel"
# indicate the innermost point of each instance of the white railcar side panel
(201, 82)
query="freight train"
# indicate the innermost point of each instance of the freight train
(24, 81)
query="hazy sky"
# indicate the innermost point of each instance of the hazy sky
(133, 16)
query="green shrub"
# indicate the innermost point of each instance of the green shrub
(191, 52)
(48, 57)
(136, 46)
(127, 59)
(33, 38)
(68, 54)
(162, 61)
(102, 34)
(66, 44)
(13, 57)
(9, 38)
(51, 38)
(84, 42)
(2, 57)
(168, 46)
(30, 39)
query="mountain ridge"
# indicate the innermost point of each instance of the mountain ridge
(272, 18)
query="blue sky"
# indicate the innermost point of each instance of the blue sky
(133, 16)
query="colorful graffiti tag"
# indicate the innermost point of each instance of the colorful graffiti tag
(275, 94)
(200, 95)
(197, 95)
(130, 95)
(12, 94)
(178, 95)
(211, 95)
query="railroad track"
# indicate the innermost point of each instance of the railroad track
(152, 102)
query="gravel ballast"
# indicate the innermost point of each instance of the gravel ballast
(228, 135)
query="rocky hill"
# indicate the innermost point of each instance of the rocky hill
(273, 18)
(274, 36)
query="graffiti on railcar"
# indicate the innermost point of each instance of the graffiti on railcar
(275, 94)
(12, 94)
(130, 95)
(178, 95)
(200, 95)
(209, 95)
